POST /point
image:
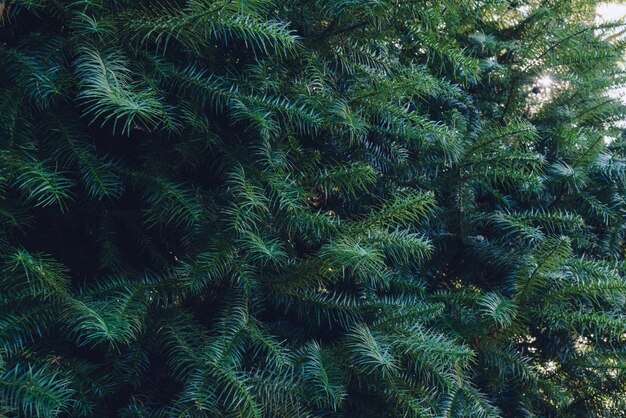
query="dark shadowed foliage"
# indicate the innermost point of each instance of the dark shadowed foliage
(338, 208)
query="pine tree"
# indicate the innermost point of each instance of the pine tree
(357, 208)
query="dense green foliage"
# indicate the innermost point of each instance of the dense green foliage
(357, 208)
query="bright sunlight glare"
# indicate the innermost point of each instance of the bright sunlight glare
(611, 11)
(546, 81)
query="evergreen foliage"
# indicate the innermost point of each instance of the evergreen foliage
(341, 208)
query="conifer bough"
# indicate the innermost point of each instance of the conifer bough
(342, 208)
